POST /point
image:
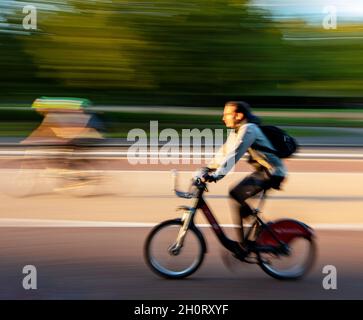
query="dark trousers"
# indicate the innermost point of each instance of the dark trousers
(247, 188)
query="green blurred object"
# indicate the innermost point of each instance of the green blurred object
(55, 103)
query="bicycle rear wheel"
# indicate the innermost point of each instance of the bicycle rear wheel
(25, 179)
(291, 266)
(174, 264)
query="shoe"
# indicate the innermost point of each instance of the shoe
(250, 245)
(229, 261)
(240, 252)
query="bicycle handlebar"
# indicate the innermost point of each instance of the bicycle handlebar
(196, 182)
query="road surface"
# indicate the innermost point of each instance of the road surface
(107, 263)
(90, 247)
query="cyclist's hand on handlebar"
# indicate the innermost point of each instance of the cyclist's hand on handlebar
(207, 170)
(204, 176)
(209, 178)
(201, 172)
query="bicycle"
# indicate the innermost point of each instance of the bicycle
(180, 239)
(47, 170)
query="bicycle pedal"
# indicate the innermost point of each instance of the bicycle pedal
(251, 245)
(240, 256)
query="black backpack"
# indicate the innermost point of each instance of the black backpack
(284, 144)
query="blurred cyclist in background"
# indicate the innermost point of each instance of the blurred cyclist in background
(66, 122)
(68, 129)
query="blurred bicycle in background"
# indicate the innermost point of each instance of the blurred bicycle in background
(54, 159)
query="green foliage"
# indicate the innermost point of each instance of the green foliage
(170, 52)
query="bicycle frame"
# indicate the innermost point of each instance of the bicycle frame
(188, 219)
(225, 241)
(231, 245)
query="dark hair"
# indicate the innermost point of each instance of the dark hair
(245, 108)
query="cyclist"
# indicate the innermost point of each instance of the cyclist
(245, 136)
(68, 125)
(65, 122)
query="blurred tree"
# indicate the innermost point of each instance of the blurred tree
(200, 49)
(160, 48)
(172, 52)
(322, 62)
(78, 46)
(16, 67)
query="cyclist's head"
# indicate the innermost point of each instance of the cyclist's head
(236, 112)
(51, 104)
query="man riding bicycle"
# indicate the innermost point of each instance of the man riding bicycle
(284, 249)
(246, 136)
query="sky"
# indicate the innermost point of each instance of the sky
(312, 10)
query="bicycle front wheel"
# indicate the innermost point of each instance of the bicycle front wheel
(164, 260)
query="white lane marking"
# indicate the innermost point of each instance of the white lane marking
(195, 170)
(119, 224)
(161, 155)
(343, 227)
